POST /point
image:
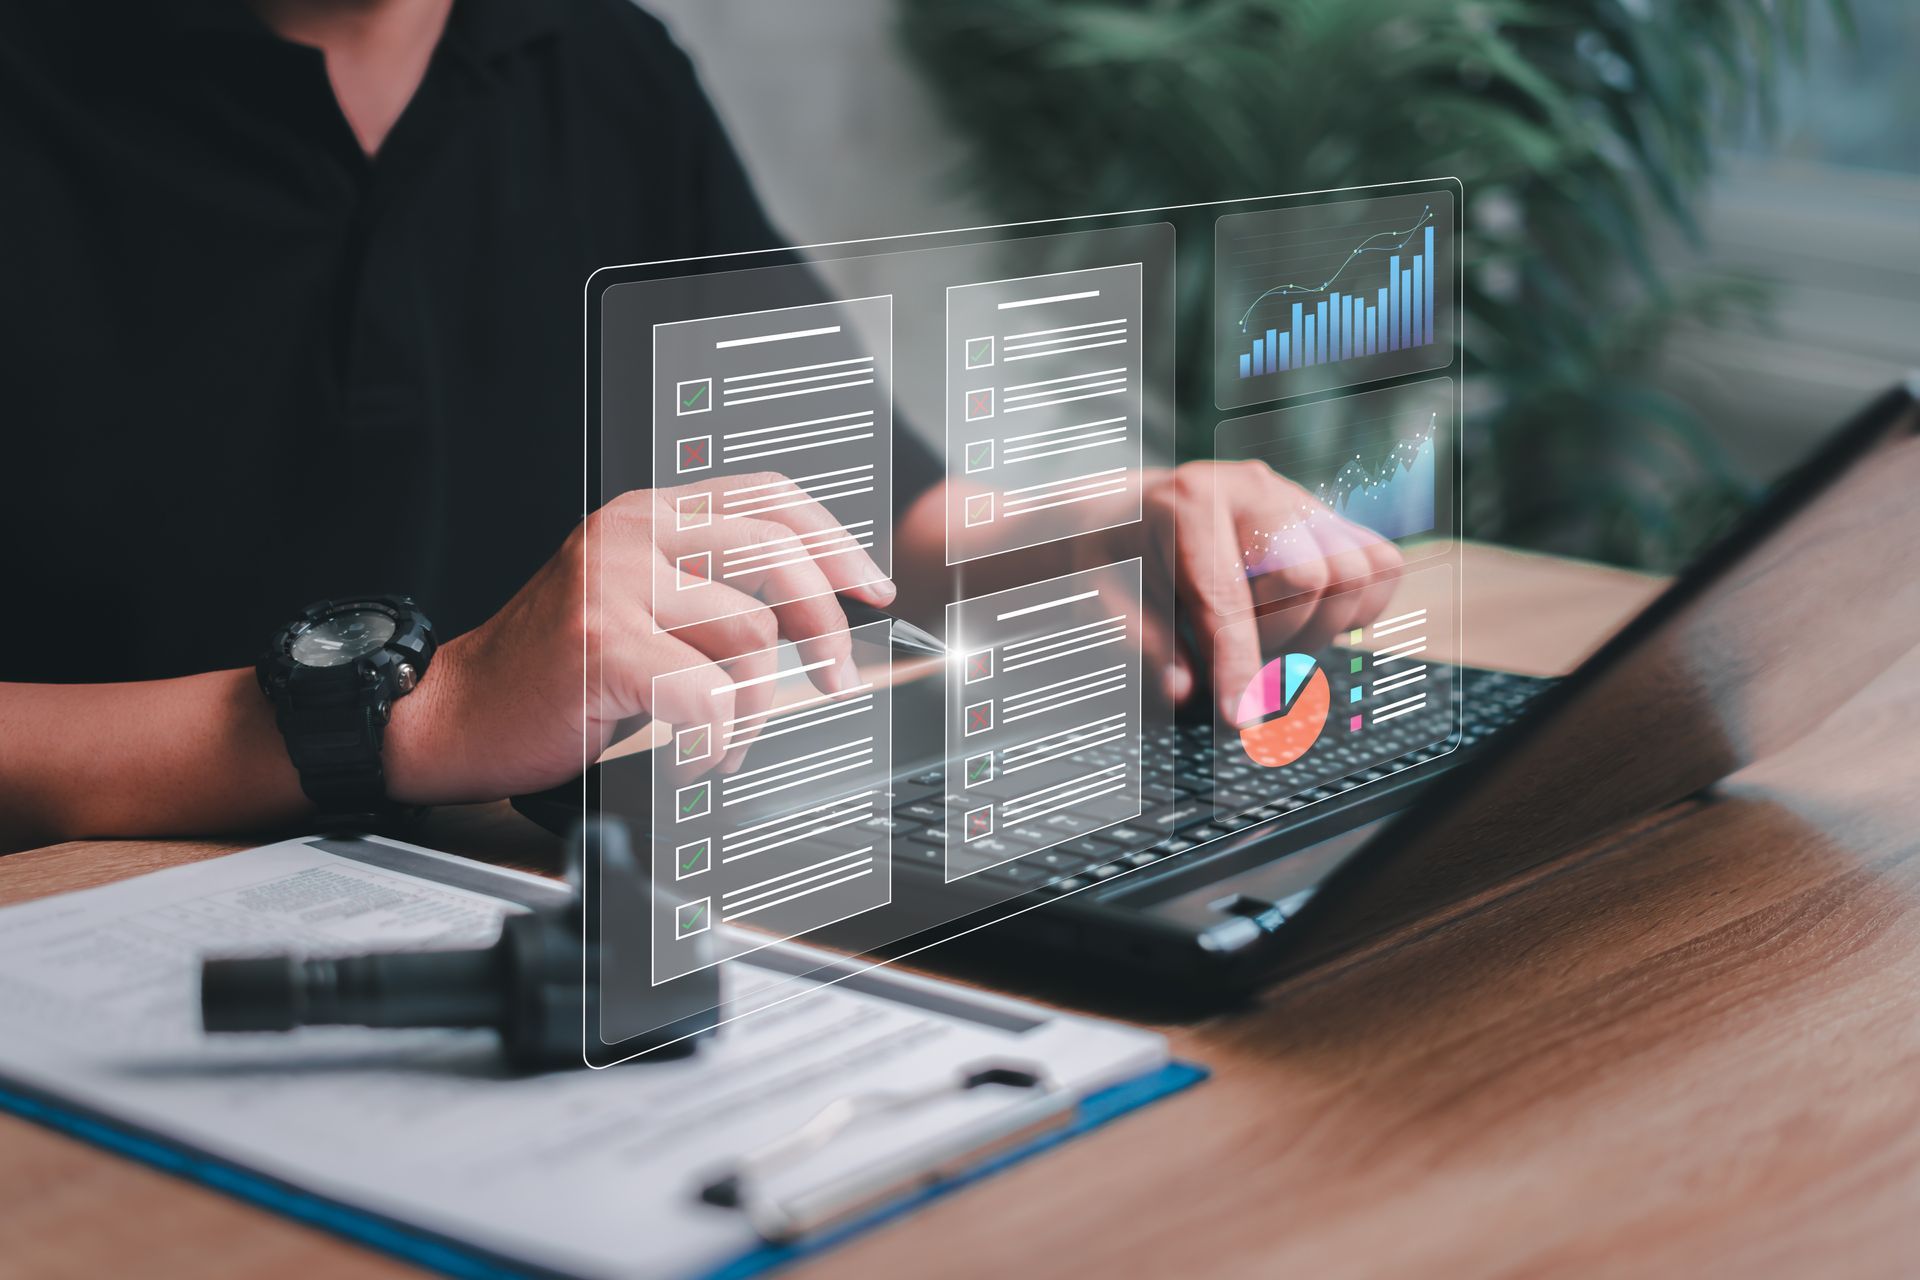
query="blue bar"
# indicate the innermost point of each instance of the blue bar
(1419, 292)
(1306, 343)
(1320, 332)
(1299, 333)
(1285, 361)
(1373, 316)
(1406, 308)
(1259, 356)
(1273, 352)
(1428, 300)
(1333, 325)
(1346, 327)
(1393, 303)
(1243, 365)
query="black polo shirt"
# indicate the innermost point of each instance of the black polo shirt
(243, 366)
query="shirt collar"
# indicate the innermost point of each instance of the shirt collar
(491, 27)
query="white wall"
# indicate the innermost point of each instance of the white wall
(1840, 246)
(835, 128)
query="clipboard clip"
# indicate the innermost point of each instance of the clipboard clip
(783, 1220)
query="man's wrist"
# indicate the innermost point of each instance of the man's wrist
(421, 756)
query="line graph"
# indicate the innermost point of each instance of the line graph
(1365, 246)
(1359, 287)
(1380, 460)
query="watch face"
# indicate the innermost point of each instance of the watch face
(341, 638)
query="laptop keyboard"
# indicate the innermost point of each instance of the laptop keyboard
(1200, 812)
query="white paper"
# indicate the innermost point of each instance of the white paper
(587, 1172)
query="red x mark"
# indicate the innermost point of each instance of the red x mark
(693, 453)
(981, 403)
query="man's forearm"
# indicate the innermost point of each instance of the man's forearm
(195, 755)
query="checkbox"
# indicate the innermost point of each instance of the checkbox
(1356, 693)
(979, 769)
(979, 404)
(695, 454)
(979, 509)
(980, 352)
(694, 570)
(979, 455)
(693, 511)
(979, 718)
(695, 395)
(692, 859)
(1353, 666)
(979, 823)
(693, 802)
(694, 917)
(979, 666)
(693, 744)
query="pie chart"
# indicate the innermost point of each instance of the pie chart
(1283, 710)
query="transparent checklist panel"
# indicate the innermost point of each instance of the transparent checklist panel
(1045, 407)
(1044, 716)
(765, 797)
(777, 420)
(1036, 365)
(1331, 291)
(1350, 689)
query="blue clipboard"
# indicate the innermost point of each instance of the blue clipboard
(452, 1258)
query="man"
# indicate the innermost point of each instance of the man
(292, 312)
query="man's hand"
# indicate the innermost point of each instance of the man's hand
(514, 705)
(1239, 536)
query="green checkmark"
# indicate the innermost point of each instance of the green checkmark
(699, 393)
(694, 919)
(694, 800)
(979, 452)
(979, 768)
(979, 349)
(694, 746)
(698, 855)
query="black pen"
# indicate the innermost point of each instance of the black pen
(906, 637)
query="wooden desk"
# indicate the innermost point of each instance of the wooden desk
(1693, 1050)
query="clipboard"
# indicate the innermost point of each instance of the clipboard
(457, 1259)
(873, 1088)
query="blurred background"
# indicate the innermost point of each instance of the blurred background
(1692, 229)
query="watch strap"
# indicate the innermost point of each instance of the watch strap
(334, 738)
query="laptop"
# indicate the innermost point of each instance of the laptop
(1782, 620)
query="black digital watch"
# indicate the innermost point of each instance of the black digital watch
(333, 675)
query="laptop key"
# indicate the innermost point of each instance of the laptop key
(1058, 859)
(1089, 847)
(1188, 815)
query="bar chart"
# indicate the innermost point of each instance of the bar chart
(1342, 325)
(1354, 290)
